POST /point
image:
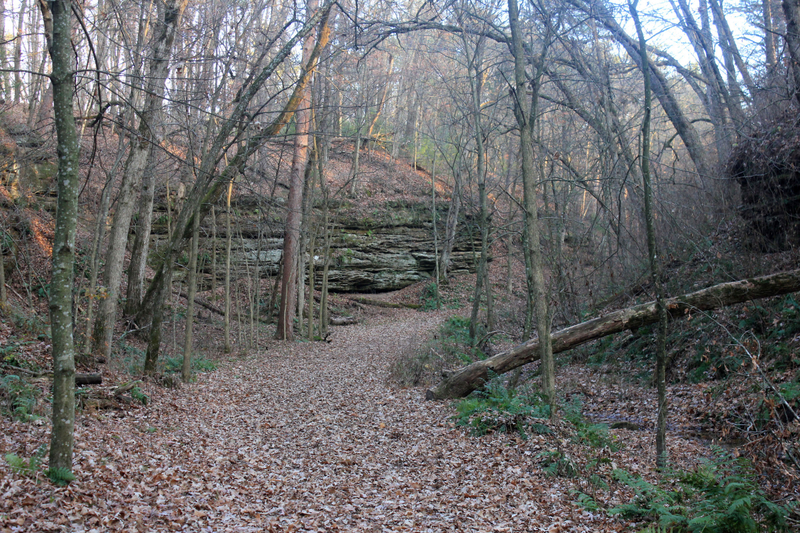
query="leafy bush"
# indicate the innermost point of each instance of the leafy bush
(455, 342)
(557, 463)
(60, 476)
(449, 347)
(720, 496)
(594, 435)
(501, 409)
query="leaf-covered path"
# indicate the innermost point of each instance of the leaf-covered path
(300, 437)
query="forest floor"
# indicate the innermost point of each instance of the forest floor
(314, 437)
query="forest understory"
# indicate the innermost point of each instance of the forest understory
(323, 436)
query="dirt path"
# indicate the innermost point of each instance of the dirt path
(303, 437)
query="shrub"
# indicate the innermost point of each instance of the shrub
(430, 300)
(449, 347)
(199, 364)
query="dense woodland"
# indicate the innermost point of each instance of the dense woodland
(541, 191)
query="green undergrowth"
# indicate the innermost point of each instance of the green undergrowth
(31, 467)
(504, 410)
(705, 346)
(721, 495)
(18, 397)
(199, 364)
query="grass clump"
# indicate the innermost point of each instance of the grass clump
(719, 496)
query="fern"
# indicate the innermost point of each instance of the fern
(720, 496)
(28, 467)
(500, 409)
(60, 476)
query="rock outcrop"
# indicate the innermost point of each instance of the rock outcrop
(386, 249)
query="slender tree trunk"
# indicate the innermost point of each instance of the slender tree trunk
(791, 10)
(294, 206)
(475, 68)
(57, 16)
(435, 225)
(450, 228)
(141, 244)
(172, 10)
(771, 55)
(652, 252)
(209, 184)
(18, 54)
(213, 250)
(227, 335)
(525, 113)
(3, 296)
(191, 291)
(4, 88)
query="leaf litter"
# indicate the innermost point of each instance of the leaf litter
(307, 437)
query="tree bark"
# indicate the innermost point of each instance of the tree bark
(228, 239)
(57, 16)
(791, 9)
(191, 282)
(208, 187)
(141, 244)
(172, 10)
(525, 113)
(294, 216)
(652, 251)
(473, 376)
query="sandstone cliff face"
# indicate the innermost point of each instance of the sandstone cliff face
(387, 248)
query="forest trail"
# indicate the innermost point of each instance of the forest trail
(301, 437)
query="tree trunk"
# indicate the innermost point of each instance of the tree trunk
(652, 252)
(450, 228)
(208, 187)
(18, 54)
(228, 238)
(140, 149)
(791, 9)
(472, 377)
(57, 17)
(525, 114)
(141, 244)
(191, 282)
(294, 216)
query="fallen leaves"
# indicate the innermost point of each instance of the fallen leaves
(303, 437)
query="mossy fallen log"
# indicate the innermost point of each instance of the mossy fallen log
(471, 377)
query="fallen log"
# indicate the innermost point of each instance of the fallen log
(381, 303)
(80, 379)
(471, 377)
(88, 379)
(343, 320)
